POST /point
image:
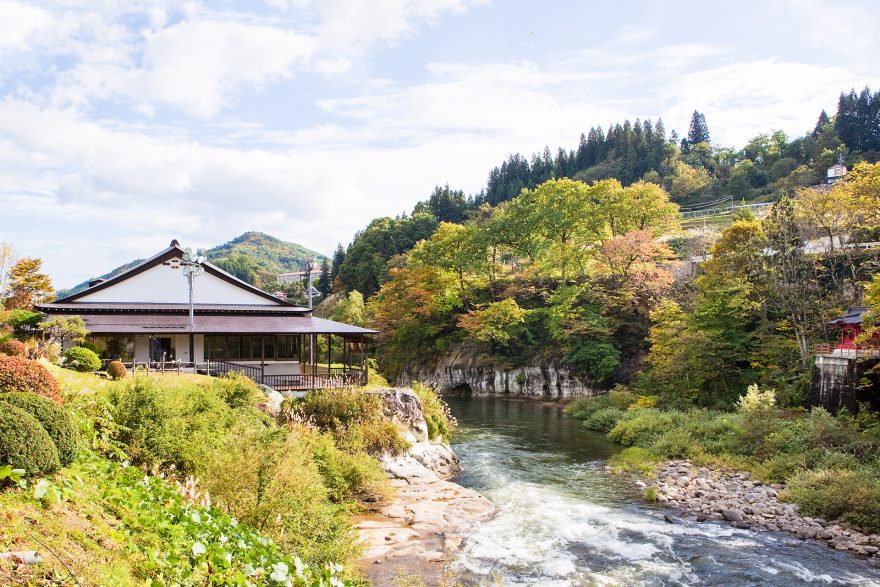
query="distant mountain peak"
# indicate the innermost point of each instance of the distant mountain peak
(266, 256)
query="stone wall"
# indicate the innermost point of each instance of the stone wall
(836, 383)
(465, 371)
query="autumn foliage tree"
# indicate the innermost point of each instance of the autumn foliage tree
(27, 285)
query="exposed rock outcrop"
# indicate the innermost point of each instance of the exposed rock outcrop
(422, 526)
(464, 370)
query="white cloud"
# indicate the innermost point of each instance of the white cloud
(20, 23)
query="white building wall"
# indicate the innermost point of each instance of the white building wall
(141, 348)
(164, 285)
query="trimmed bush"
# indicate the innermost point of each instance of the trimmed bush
(20, 374)
(116, 370)
(81, 359)
(13, 348)
(24, 443)
(56, 420)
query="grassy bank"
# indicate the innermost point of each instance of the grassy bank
(830, 464)
(181, 479)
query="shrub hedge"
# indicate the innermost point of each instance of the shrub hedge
(20, 374)
(13, 348)
(24, 443)
(116, 370)
(80, 358)
(56, 420)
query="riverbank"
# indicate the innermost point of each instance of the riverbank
(422, 528)
(418, 531)
(737, 498)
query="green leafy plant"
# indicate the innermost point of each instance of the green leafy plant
(81, 359)
(14, 476)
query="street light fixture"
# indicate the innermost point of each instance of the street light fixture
(192, 266)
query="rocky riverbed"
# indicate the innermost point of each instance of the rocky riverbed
(419, 530)
(737, 498)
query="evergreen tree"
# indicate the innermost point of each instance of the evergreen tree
(325, 285)
(338, 258)
(698, 132)
(580, 160)
(820, 124)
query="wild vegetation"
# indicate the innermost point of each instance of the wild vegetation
(830, 463)
(181, 479)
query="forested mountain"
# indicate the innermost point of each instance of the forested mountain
(258, 258)
(254, 257)
(692, 170)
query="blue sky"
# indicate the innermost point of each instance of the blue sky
(126, 124)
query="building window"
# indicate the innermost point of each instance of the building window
(113, 347)
(219, 347)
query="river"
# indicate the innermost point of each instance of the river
(564, 520)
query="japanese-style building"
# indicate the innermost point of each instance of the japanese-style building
(839, 378)
(142, 317)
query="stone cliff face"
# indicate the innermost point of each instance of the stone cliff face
(466, 372)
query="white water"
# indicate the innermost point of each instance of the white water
(563, 520)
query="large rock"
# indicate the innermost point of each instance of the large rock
(423, 525)
(404, 407)
(467, 370)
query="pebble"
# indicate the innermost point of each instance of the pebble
(736, 498)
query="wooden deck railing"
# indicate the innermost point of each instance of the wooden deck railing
(321, 378)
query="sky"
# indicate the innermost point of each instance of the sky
(125, 124)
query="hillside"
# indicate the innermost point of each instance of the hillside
(254, 256)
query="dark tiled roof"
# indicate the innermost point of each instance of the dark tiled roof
(854, 315)
(106, 323)
(130, 308)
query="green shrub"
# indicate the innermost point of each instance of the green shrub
(635, 459)
(57, 421)
(585, 407)
(621, 397)
(779, 468)
(674, 444)
(375, 438)
(440, 422)
(644, 427)
(238, 390)
(348, 475)
(24, 443)
(604, 420)
(81, 359)
(167, 423)
(849, 495)
(331, 409)
(267, 478)
(20, 374)
(116, 370)
(13, 348)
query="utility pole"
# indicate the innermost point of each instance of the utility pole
(192, 263)
(311, 263)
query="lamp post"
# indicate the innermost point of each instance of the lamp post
(311, 263)
(192, 267)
